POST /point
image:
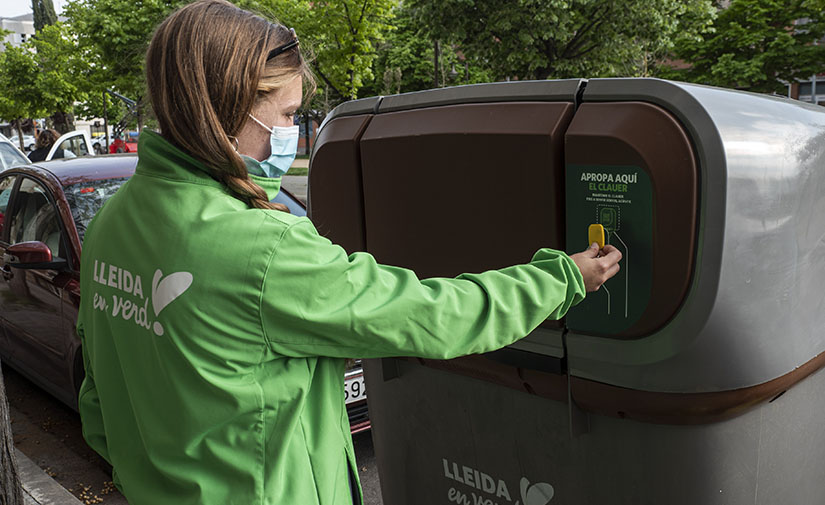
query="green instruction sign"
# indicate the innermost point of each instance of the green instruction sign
(620, 198)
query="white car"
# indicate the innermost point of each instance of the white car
(73, 144)
(76, 143)
(28, 142)
(10, 155)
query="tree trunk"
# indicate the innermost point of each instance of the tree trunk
(22, 148)
(10, 491)
(435, 64)
(63, 122)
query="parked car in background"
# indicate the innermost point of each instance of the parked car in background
(44, 211)
(99, 144)
(73, 144)
(124, 143)
(28, 142)
(10, 155)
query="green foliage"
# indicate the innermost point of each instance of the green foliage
(342, 34)
(293, 170)
(112, 36)
(758, 45)
(61, 68)
(20, 93)
(405, 60)
(540, 39)
(44, 14)
(40, 77)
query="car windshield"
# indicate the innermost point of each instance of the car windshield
(10, 157)
(86, 198)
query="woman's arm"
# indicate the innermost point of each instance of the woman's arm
(317, 301)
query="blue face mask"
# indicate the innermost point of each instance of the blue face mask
(283, 142)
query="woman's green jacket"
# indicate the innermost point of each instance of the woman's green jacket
(215, 337)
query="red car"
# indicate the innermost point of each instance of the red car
(119, 145)
(44, 211)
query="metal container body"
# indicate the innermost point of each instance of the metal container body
(429, 425)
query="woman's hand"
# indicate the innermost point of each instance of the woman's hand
(597, 266)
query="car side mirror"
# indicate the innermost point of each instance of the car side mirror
(32, 254)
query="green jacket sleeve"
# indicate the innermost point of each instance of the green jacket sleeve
(89, 406)
(317, 301)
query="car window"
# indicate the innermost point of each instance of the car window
(11, 157)
(35, 217)
(6, 185)
(86, 198)
(295, 208)
(73, 146)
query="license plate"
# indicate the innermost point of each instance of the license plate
(354, 389)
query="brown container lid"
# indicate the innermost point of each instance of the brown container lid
(335, 183)
(464, 188)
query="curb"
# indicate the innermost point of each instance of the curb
(38, 487)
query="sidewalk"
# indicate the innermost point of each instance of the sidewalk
(297, 185)
(38, 487)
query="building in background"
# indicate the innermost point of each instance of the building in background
(812, 90)
(21, 28)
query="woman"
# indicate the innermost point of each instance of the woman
(215, 338)
(43, 145)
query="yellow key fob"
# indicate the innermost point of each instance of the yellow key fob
(595, 233)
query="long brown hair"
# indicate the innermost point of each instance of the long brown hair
(205, 68)
(46, 138)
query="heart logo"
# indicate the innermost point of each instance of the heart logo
(165, 291)
(538, 494)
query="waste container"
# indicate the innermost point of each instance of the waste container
(681, 380)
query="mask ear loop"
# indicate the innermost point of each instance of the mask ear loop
(259, 122)
(234, 141)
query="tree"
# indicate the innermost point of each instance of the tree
(20, 93)
(112, 36)
(40, 77)
(10, 489)
(758, 45)
(62, 73)
(404, 60)
(44, 15)
(343, 35)
(540, 39)
(341, 38)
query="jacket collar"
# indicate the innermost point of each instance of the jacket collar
(270, 185)
(159, 157)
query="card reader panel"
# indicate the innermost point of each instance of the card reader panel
(630, 167)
